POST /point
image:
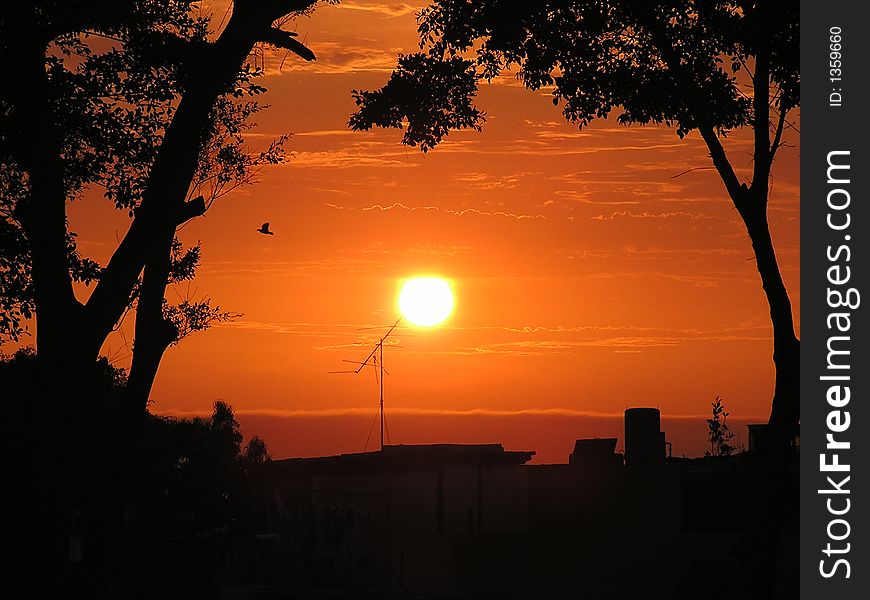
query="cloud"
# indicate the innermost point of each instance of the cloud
(657, 253)
(386, 9)
(292, 328)
(382, 249)
(522, 341)
(543, 124)
(343, 346)
(418, 411)
(622, 345)
(531, 329)
(713, 280)
(487, 181)
(326, 133)
(584, 198)
(592, 189)
(480, 144)
(333, 57)
(627, 214)
(345, 159)
(606, 342)
(284, 268)
(459, 213)
(412, 411)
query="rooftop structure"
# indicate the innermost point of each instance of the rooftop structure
(402, 458)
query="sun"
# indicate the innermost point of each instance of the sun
(426, 301)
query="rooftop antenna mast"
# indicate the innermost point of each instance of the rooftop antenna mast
(376, 359)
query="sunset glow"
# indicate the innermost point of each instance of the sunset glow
(426, 301)
(592, 269)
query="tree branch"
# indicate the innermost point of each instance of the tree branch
(171, 175)
(777, 136)
(723, 165)
(761, 106)
(173, 170)
(286, 39)
(190, 209)
(717, 152)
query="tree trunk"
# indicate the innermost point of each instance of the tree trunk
(159, 215)
(785, 409)
(42, 213)
(84, 459)
(771, 484)
(51, 393)
(114, 502)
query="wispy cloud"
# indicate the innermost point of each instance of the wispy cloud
(423, 412)
(387, 9)
(589, 197)
(383, 249)
(543, 147)
(627, 214)
(710, 280)
(346, 158)
(617, 344)
(285, 268)
(459, 213)
(631, 253)
(334, 57)
(319, 330)
(635, 342)
(488, 181)
(326, 133)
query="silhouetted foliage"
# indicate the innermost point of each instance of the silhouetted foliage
(199, 460)
(112, 94)
(143, 101)
(718, 432)
(681, 63)
(16, 284)
(23, 359)
(256, 452)
(22, 365)
(92, 423)
(194, 476)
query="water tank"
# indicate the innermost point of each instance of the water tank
(644, 440)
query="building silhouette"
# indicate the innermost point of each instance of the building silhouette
(478, 521)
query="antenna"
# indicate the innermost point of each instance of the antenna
(375, 359)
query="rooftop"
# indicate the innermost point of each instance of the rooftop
(402, 458)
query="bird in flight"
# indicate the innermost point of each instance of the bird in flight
(264, 229)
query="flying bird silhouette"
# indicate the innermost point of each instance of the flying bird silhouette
(264, 229)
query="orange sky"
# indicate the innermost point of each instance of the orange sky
(588, 277)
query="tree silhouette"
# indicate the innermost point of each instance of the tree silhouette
(256, 452)
(136, 98)
(139, 98)
(194, 466)
(678, 63)
(717, 430)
